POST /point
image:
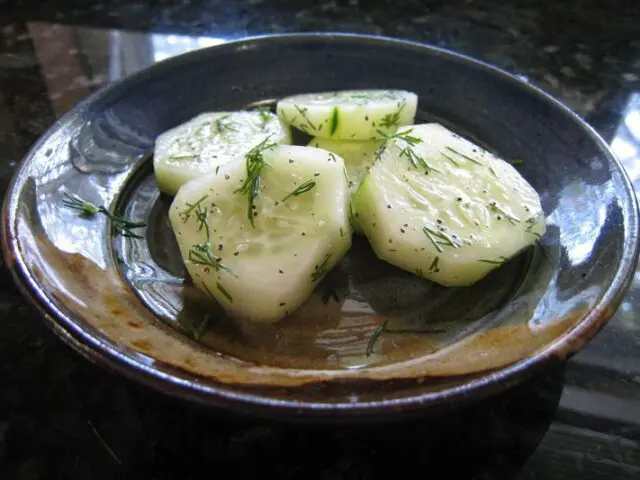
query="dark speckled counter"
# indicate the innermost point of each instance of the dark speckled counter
(61, 417)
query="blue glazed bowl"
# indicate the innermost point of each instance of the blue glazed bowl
(124, 303)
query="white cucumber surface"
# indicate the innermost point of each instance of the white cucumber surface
(209, 140)
(268, 270)
(358, 156)
(349, 114)
(445, 209)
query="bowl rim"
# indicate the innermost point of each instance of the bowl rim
(186, 385)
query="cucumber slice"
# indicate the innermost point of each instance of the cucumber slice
(349, 114)
(358, 156)
(209, 140)
(437, 205)
(265, 252)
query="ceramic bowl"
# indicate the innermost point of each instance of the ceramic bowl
(124, 302)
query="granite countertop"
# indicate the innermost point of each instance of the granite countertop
(61, 417)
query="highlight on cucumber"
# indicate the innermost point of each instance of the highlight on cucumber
(260, 222)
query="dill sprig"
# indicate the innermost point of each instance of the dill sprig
(303, 113)
(362, 97)
(118, 224)
(224, 292)
(440, 239)
(283, 116)
(429, 235)
(499, 261)
(375, 336)
(198, 130)
(387, 137)
(493, 206)
(305, 187)
(265, 117)
(392, 119)
(201, 219)
(202, 254)
(75, 202)
(224, 125)
(200, 212)
(183, 156)
(417, 161)
(383, 328)
(530, 223)
(466, 157)
(196, 330)
(434, 265)
(199, 331)
(186, 213)
(251, 185)
(450, 158)
(320, 270)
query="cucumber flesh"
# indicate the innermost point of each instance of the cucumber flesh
(265, 271)
(209, 140)
(349, 114)
(358, 156)
(445, 209)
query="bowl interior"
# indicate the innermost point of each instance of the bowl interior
(125, 302)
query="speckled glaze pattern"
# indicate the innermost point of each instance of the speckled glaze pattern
(66, 265)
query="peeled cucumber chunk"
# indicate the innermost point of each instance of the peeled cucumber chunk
(439, 206)
(258, 235)
(209, 140)
(358, 156)
(349, 114)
